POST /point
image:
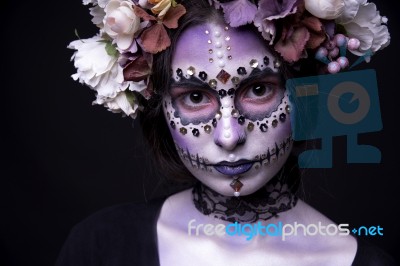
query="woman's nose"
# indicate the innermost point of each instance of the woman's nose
(229, 134)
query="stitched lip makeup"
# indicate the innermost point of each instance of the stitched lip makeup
(233, 168)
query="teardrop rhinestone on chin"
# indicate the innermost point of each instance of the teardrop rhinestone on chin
(236, 185)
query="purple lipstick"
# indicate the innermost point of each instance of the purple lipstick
(233, 168)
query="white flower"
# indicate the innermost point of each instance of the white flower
(98, 15)
(121, 22)
(121, 103)
(96, 68)
(101, 3)
(350, 10)
(101, 72)
(368, 26)
(325, 9)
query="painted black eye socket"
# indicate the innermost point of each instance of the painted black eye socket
(259, 90)
(196, 97)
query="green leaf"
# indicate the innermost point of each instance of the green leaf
(77, 35)
(131, 98)
(111, 49)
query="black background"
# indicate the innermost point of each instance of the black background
(64, 159)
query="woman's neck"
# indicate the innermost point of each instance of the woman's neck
(264, 204)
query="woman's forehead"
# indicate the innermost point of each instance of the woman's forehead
(213, 47)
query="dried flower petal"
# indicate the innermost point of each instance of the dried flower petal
(239, 12)
(155, 39)
(170, 20)
(292, 43)
(137, 70)
(143, 14)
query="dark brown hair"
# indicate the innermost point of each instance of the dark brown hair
(154, 126)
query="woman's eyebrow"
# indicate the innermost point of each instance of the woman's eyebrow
(258, 74)
(192, 82)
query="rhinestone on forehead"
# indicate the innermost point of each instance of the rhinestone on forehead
(218, 39)
(223, 76)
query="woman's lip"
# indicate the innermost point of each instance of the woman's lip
(233, 168)
(233, 164)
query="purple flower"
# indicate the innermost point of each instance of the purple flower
(239, 12)
(269, 10)
(276, 9)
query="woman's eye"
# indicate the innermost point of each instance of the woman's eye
(195, 98)
(259, 91)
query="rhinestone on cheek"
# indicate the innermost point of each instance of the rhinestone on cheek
(207, 129)
(250, 127)
(191, 71)
(274, 123)
(253, 63)
(179, 72)
(235, 113)
(223, 76)
(218, 115)
(287, 109)
(212, 83)
(172, 123)
(183, 130)
(210, 51)
(235, 80)
(231, 91)
(210, 60)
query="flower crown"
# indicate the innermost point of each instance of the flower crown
(117, 62)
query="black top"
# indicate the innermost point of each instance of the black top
(125, 235)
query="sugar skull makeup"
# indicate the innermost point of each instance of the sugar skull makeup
(227, 108)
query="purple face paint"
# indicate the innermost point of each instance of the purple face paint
(227, 110)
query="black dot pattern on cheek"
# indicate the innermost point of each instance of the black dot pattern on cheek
(266, 60)
(241, 71)
(195, 132)
(203, 75)
(222, 93)
(231, 91)
(241, 120)
(214, 122)
(282, 118)
(179, 72)
(263, 127)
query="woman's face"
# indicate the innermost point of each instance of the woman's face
(227, 108)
